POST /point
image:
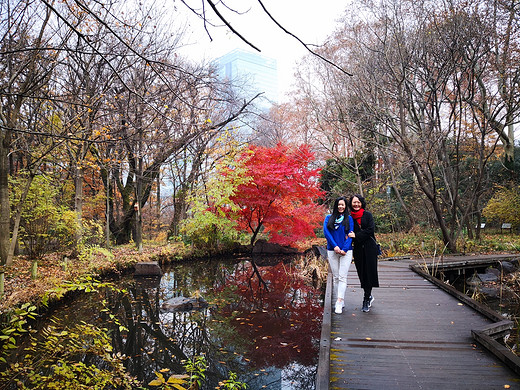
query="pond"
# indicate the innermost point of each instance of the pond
(265, 330)
(491, 284)
(494, 284)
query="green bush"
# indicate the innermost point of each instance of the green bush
(39, 214)
(209, 233)
(57, 360)
(45, 225)
(65, 229)
(93, 255)
(92, 234)
(504, 206)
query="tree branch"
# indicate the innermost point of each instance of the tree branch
(221, 17)
(303, 43)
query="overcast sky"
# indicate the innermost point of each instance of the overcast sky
(312, 21)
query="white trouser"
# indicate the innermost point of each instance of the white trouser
(339, 265)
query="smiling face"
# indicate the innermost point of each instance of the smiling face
(341, 206)
(356, 203)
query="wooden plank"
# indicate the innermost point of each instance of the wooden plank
(415, 336)
(322, 376)
(498, 350)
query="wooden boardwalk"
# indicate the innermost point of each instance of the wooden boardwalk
(416, 336)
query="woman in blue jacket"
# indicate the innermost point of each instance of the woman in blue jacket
(339, 247)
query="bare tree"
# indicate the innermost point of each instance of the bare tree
(343, 128)
(25, 69)
(414, 80)
(497, 71)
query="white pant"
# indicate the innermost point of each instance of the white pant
(339, 265)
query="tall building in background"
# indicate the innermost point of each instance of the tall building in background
(251, 73)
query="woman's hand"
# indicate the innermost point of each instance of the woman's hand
(352, 235)
(339, 251)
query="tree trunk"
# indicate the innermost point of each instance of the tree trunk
(78, 203)
(4, 199)
(255, 233)
(469, 228)
(123, 231)
(422, 180)
(479, 224)
(4, 207)
(446, 237)
(34, 269)
(179, 211)
(158, 206)
(409, 215)
(509, 148)
(138, 195)
(17, 219)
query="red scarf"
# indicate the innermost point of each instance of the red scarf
(357, 215)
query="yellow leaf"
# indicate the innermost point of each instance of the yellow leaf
(177, 379)
(155, 382)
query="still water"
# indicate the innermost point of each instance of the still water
(264, 330)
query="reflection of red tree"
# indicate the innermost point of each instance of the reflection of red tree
(284, 323)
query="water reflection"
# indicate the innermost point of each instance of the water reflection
(267, 331)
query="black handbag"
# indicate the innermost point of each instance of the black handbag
(379, 251)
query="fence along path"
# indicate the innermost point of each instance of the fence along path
(416, 336)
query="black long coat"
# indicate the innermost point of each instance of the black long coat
(365, 251)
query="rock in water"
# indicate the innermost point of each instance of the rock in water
(147, 268)
(183, 304)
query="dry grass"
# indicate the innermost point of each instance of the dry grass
(54, 269)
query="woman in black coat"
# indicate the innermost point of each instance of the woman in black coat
(365, 248)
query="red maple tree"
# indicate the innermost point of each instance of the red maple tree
(281, 195)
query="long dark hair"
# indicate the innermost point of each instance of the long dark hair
(361, 199)
(336, 213)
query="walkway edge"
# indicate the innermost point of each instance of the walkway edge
(486, 336)
(323, 372)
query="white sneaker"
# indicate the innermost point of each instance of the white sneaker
(339, 307)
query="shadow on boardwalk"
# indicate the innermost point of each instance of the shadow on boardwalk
(416, 336)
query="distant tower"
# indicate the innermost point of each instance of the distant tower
(252, 73)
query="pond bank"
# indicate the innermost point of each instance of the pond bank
(243, 327)
(56, 268)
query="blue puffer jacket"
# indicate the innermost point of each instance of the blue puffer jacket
(338, 236)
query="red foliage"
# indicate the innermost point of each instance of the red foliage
(281, 194)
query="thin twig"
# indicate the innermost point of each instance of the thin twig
(214, 8)
(303, 43)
